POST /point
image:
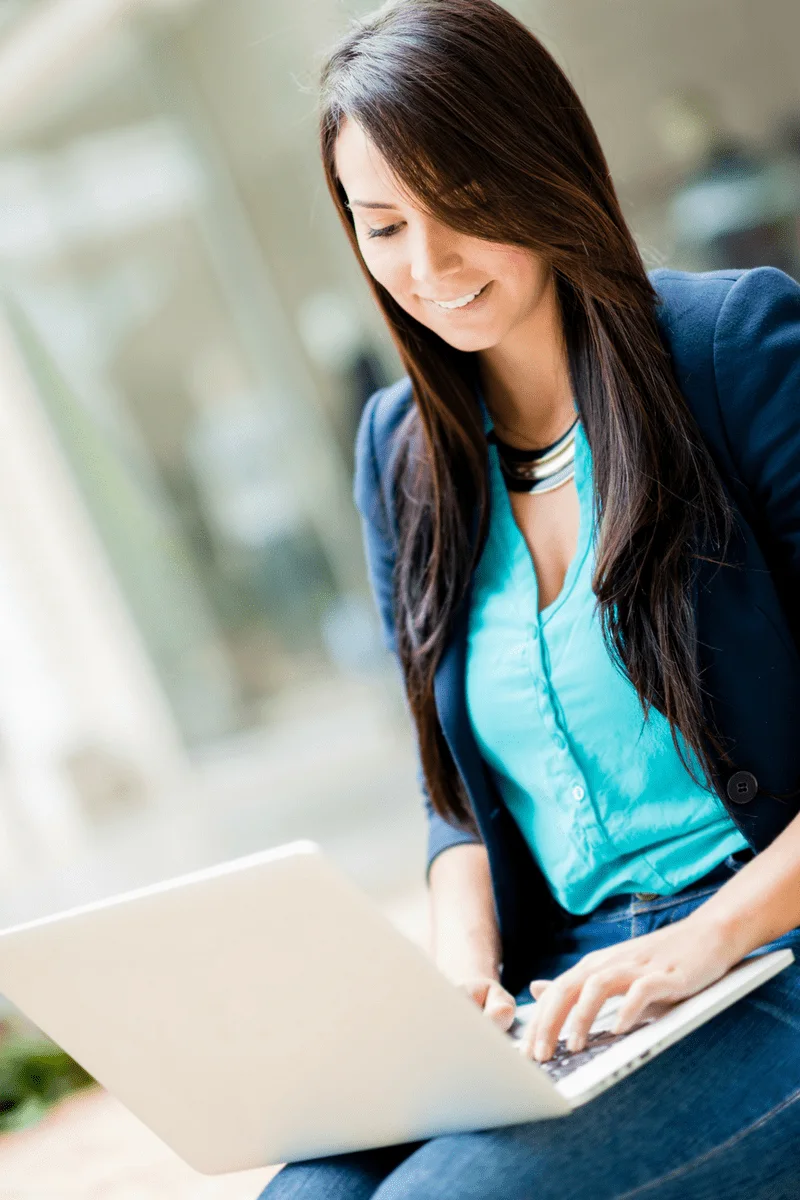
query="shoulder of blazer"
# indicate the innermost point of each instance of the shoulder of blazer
(687, 313)
(735, 341)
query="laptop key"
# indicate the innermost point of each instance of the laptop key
(564, 1061)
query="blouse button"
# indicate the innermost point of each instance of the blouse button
(578, 792)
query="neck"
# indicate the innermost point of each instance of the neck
(525, 378)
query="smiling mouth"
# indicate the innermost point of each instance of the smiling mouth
(459, 302)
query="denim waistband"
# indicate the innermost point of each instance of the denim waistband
(714, 878)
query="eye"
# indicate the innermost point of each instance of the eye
(382, 231)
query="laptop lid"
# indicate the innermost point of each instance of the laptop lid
(264, 1010)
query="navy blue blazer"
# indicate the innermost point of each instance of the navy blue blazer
(734, 340)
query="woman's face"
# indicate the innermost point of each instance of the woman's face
(421, 262)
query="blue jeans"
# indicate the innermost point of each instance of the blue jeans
(715, 1117)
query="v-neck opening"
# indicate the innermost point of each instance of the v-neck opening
(515, 540)
(582, 541)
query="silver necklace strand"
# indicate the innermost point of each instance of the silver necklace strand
(537, 470)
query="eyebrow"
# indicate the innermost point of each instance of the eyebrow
(369, 204)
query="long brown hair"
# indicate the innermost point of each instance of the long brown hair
(482, 126)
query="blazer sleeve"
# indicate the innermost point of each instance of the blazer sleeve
(757, 369)
(379, 550)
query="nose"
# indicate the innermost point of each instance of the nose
(434, 254)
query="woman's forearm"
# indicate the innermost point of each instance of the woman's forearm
(465, 937)
(761, 902)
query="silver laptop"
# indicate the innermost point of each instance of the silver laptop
(265, 1011)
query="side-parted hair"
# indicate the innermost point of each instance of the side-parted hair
(484, 129)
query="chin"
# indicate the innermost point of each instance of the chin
(469, 341)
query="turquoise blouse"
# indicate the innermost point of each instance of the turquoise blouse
(598, 792)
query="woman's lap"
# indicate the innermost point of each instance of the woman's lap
(341, 1177)
(715, 1117)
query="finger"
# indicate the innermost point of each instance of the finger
(476, 989)
(538, 986)
(614, 981)
(492, 998)
(500, 1006)
(656, 985)
(551, 1012)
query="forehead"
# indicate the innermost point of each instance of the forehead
(362, 169)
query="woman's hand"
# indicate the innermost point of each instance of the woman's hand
(668, 965)
(498, 1004)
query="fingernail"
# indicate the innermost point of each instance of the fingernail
(541, 1050)
(573, 1043)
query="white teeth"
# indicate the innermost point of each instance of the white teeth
(460, 302)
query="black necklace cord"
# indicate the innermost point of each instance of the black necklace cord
(541, 470)
(514, 454)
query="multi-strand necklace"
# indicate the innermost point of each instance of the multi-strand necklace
(537, 470)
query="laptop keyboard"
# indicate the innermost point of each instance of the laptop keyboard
(564, 1061)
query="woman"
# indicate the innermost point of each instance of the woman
(582, 521)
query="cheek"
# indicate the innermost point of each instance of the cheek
(504, 258)
(518, 269)
(383, 268)
(396, 282)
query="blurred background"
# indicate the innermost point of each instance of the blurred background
(191, 663)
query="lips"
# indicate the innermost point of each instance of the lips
(463, 301)
(454, 299)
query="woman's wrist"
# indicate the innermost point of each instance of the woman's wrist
(460, 955)
(757, 905)
(721, 930)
